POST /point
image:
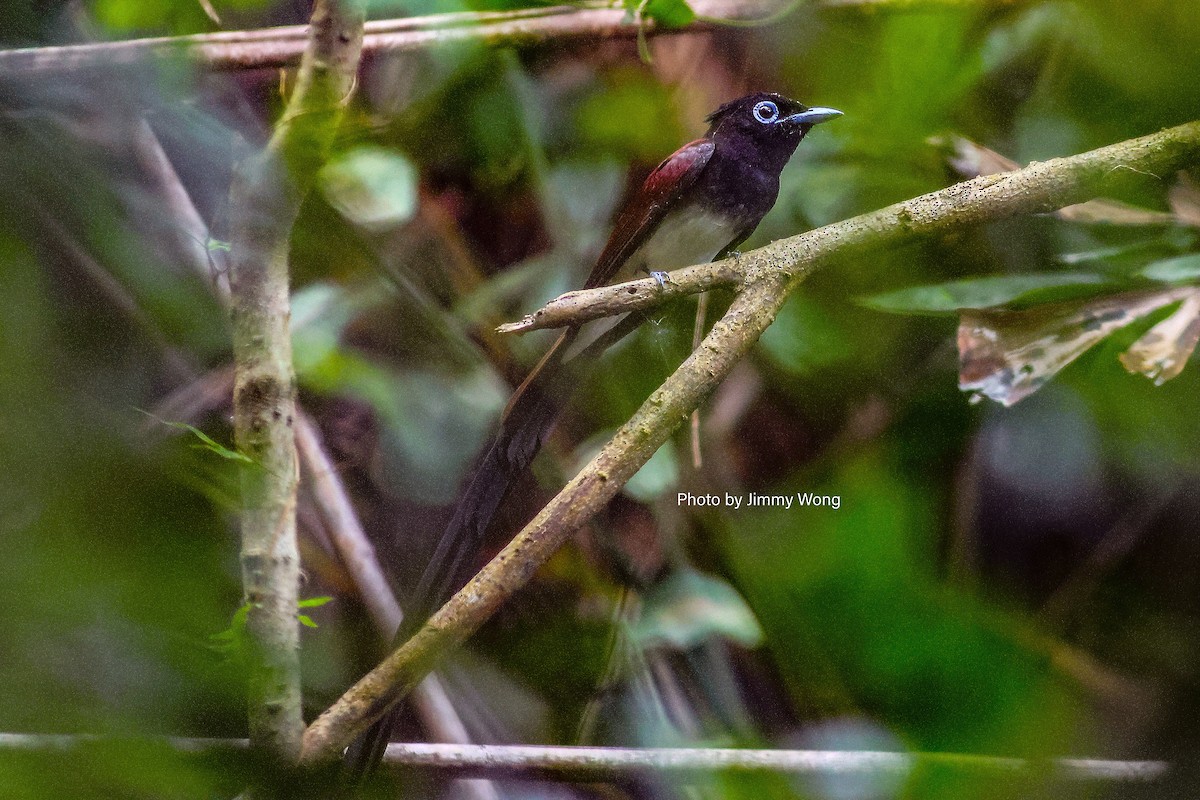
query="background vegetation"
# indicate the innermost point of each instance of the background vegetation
(1015, 581)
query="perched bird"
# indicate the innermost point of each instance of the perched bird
(697, 205)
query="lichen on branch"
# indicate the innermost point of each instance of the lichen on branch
(265, 199)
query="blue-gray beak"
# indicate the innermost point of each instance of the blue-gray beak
(813, 116)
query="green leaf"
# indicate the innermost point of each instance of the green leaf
(690, 607)
(206, 441)
(1174, 270)
(806, 337)
(232, 640)
(657, 476)
(169, 16)
(371, 186)
(310, 602)
(949, 298)
(668, 13)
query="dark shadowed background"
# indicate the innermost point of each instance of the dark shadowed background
(1020, 581)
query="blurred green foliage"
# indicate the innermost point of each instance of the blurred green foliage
(168, 17)
(1000, 581)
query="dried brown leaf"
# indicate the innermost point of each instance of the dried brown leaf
(1184, 199)
(1008, 355)
(972, 160)
(1163, 351)
(1113, 212)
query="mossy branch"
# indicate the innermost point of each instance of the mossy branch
(769, 274)
(264, 203)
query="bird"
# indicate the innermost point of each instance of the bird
(698, 205)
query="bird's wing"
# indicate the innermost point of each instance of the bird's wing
(646, 210)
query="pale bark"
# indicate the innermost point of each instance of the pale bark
(264, 202)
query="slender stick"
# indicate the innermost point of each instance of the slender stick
(906, 220)
(283, 46)
(607, 764)
(329, 495)
(769, 274)
(345, 531)
(264, 201)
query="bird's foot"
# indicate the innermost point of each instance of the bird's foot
(660, 278)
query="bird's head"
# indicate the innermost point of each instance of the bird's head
(766, 121)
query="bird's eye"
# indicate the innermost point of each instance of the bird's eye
(766, 112)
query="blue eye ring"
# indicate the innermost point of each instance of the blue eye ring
(766, 112)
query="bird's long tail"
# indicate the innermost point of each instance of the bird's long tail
(524, 426)
(526, 423)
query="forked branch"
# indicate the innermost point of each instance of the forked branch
(769, 274)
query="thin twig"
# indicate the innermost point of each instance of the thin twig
(283, 46)
(585, 305)
(1113, 547)
(348, 537)
(433, 704)
(181, 365)
(190, 400)
(330, 499)
(770, 274)
(608, 764)
(191, 231)
(588, 764)
(697, 338)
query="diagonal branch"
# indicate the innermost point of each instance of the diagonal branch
(264, 202)
(770, 274)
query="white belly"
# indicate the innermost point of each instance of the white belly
(680, 240)
(684, 238)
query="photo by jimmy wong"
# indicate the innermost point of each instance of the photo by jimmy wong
(755, 500)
